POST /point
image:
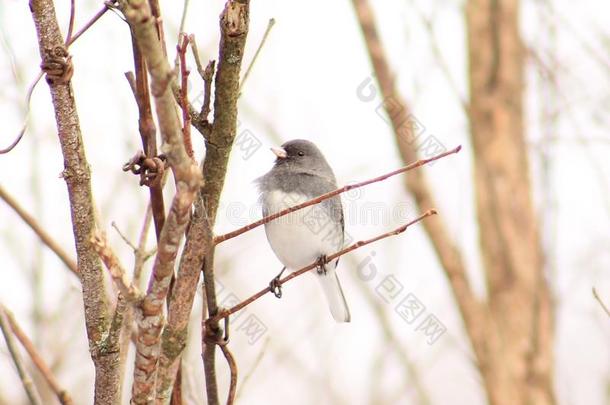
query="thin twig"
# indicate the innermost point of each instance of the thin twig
(125, 239)
(141, 256)
(226, 312)
(140, 253)
(37, 359)
(208, 75)
(195, 51)
(200, 120)
(126, 287)
(28, 98)
(442, 63)
(148, 132)
(40, 232)
(185, 10)
(270, 25)
(221, 238)
(155, 9)
(181, 48)
(71, 23)
(601, 302)
(26, 380)
(69, 40)
(233, 369)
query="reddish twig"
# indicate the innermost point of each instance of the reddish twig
(226, 312)
(269, 218)
(37, 359)
(148, 134)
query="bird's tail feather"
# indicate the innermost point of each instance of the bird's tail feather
(334, 296)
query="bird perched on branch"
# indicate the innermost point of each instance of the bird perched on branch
(301, 173)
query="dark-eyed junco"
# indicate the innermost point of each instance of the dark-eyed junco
(300, 238)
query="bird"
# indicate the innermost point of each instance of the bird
(301, 173)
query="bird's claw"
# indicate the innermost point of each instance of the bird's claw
(276, 287)
(321, 265)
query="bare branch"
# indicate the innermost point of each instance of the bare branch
(147, 32)
(140, 18)
(233, 369)
(56, 63)
(126, 287)
(71, 23)
(270, 25)
(208, 75)
(226, 312)
(234, 25)
(141, 256)
(72, 38)
(26, 380)
(330, 194)
(24, 127)
(39, 231)
(181, 48)
(604, 307)
(30, 91)
(148, 133)
(63, 395)
(201, 123)
(125, 239)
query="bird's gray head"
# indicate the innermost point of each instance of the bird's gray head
(301, 154)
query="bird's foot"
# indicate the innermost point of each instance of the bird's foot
(276, 286)
(321, 265)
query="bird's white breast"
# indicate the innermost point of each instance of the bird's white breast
(300, 237)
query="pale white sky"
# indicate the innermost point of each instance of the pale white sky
(304, 85)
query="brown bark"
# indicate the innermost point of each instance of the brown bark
(519, 296)
(104, 351)
(234, 22)
(150, 316)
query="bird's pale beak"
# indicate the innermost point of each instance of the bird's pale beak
(279, 152)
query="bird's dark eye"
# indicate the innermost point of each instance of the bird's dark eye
(301, 153)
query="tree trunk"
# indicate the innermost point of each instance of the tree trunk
(518, 294)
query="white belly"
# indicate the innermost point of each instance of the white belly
(301, 237)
